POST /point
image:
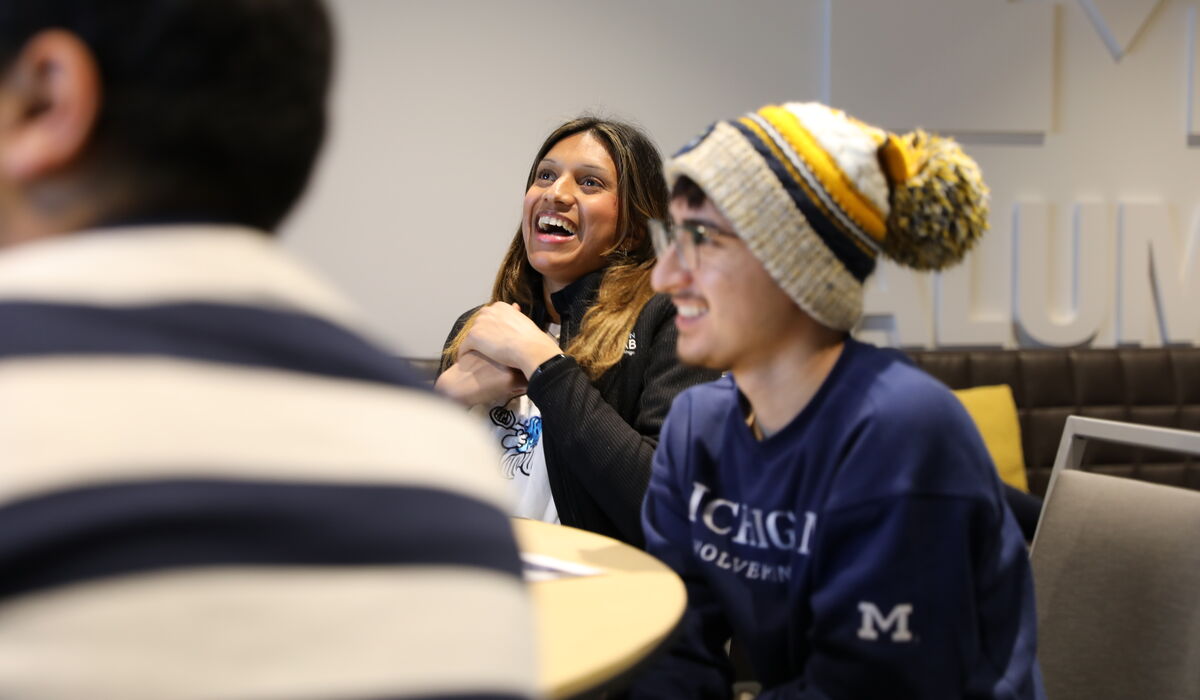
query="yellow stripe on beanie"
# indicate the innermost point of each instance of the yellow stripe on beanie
(801, 182)
(843, 192)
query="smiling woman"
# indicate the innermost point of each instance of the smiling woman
(573, 360)
(570, 216)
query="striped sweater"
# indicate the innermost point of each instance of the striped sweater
(214, 486)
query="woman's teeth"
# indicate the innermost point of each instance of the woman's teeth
(689, 311)
(555, 225)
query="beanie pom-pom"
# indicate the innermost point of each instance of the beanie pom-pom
(941, 210)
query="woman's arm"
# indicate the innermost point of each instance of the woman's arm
(508, 337)
(609, 457)
(473, 378)
(445, 362)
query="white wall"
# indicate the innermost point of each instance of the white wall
(439, 107)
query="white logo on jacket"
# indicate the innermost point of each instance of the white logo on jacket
(874, 622)
(751, 526)
(631, 344)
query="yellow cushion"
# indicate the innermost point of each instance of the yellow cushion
(995, 414)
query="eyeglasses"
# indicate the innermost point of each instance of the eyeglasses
(687, 239)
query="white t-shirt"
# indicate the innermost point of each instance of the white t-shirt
(517, 429)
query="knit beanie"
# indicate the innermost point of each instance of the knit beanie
(818, 195)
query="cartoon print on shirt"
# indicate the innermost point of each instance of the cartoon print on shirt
(519, 442)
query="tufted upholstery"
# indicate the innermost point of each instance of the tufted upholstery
(1156, 386)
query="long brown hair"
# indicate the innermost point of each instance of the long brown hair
(625, 287)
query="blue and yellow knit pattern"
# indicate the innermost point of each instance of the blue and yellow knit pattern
(818, 195)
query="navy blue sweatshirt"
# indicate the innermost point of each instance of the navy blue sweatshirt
(863, 551)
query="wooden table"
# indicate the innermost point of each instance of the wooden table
(592, 629)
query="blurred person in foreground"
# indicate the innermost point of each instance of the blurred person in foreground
(214, 485)
(831, 508)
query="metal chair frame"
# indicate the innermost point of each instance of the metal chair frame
(1078, 430)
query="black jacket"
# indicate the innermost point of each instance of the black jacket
(600, 438)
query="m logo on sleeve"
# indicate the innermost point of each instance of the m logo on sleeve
(874, 622)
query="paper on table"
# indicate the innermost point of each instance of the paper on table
(540, 567)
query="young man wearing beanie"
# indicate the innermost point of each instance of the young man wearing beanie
(829, 506)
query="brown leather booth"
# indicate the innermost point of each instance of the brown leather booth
(1155, 386)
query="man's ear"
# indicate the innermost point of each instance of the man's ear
(49, 103)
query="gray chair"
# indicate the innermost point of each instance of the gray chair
(1116, 567)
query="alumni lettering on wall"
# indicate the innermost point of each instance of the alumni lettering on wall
(1095, 237)
(1106, 276)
